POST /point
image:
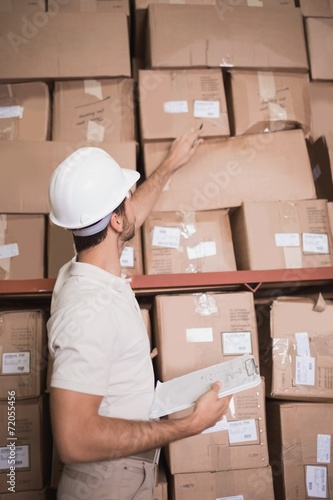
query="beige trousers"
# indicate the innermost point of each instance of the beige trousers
(123, 479)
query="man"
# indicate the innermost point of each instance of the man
(102, 384)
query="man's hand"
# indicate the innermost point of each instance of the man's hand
(209, 409)
(183, 148)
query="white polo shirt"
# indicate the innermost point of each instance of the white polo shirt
(99, 342)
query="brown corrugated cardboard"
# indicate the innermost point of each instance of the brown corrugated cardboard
(238, 441)
(94, 110)
(161, 486)
(60, 249)
(300, 449)
(173, 102)
(316, 8)
(92, 6)
(24, 111)
(22, 244)
(267, 101)
(282, 235)
(189, 242)
(330, 214)
(23, 353)
(224, 173)
(213, 36)
(52, 46)
(295, 336)
(23, 6)
(27, 495)
(213, 327)
(319, 34)
(240, 484)
(141, 10)
(26, 168)
(321, 98)
(31, 450)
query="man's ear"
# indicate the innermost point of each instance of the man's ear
(116, 222)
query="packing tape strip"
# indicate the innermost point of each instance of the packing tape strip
(268, 94)
(290, 224)
(4, 263)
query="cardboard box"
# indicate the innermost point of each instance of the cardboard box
(297, 365)
(22, 246)
(22, 7)
(319, 33)
(31, 448)
(161, 486)
(60, 249)
(92, 6)
(213, 327)
(51, 46)
(225, 173)
(24, 111)
(300, 448)
(27, 166)
(94, 110)
(210, 36)
(240, 484)
(23, 353)
(238, 441)
(321, 99)
(191, 242)
(316, 8)
(141, 14)
(26, 495)
(330, 214)
(173, 102)
(267, 101)
(282, 235)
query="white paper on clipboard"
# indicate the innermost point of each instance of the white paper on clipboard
(182, 392)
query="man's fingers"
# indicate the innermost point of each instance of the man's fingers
(216, 386)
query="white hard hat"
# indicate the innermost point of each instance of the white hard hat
(87, 186)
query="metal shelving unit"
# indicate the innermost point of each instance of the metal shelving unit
(152, 284)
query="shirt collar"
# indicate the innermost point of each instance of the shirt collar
(96, 273)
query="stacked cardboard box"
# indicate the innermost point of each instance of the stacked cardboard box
(188, 242)
(295, 342)
(25, 434)
(213, 328)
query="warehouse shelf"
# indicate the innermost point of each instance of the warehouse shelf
(157, 283)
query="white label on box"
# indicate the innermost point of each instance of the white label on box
(221, 425)
(127, 257)
(237, 497)
(11, 112)
(21, 457)
(206, 109)
(203, 249)
(315, 243)
(167, 237)
(302, 344)
(242, 431)
(175, 107)
(236, 342)
(324, 448)
(10, 250)
(316, 481)
(305, 370)
(255, 3)
(287, 240)
(14, 363)
(199, 335)
(95, 132)
(94, 88)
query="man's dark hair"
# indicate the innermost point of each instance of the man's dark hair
(84, 242)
